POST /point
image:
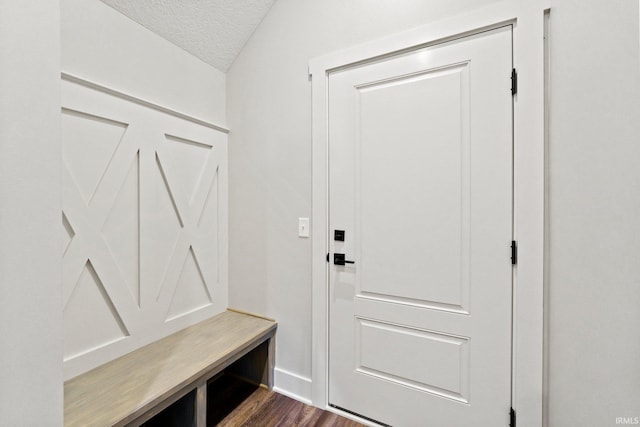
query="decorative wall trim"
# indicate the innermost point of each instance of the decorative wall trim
(75, 79)
(144, 223)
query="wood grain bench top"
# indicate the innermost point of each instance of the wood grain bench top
(136, 382)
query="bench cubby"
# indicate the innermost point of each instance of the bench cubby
(178, 379)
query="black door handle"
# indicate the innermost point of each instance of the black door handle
(339, 259)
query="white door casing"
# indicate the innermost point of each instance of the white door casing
(527, 16)
(420, 179)
(528, 55)
(144, 214)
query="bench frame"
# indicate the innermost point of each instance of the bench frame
(138, 386)
(200, 383)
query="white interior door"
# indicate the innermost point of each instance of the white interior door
(421, 178)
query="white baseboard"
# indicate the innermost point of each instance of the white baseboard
(292, 385)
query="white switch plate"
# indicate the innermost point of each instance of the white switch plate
(303, 227)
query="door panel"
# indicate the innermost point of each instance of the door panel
(414, 172)
(420, 171)
(422, 349)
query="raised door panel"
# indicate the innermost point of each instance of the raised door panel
(412, 208)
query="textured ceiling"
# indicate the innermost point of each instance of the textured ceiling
(213, 30)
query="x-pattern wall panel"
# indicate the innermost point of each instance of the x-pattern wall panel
(143, 224)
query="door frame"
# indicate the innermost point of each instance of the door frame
(528, 20)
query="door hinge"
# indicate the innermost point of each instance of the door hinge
(514, 82)
(514, 252)
(512, 418)
(327, 256)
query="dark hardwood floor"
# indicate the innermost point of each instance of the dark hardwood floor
(233, 403)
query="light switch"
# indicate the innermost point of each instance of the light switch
(303, 227)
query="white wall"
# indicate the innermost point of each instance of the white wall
(594, 248)
(30, 303)
(144, 191)
(594, 158)
(594, 181)
(103, 45)
(269, 112)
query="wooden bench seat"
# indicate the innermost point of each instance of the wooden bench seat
(133, 388)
